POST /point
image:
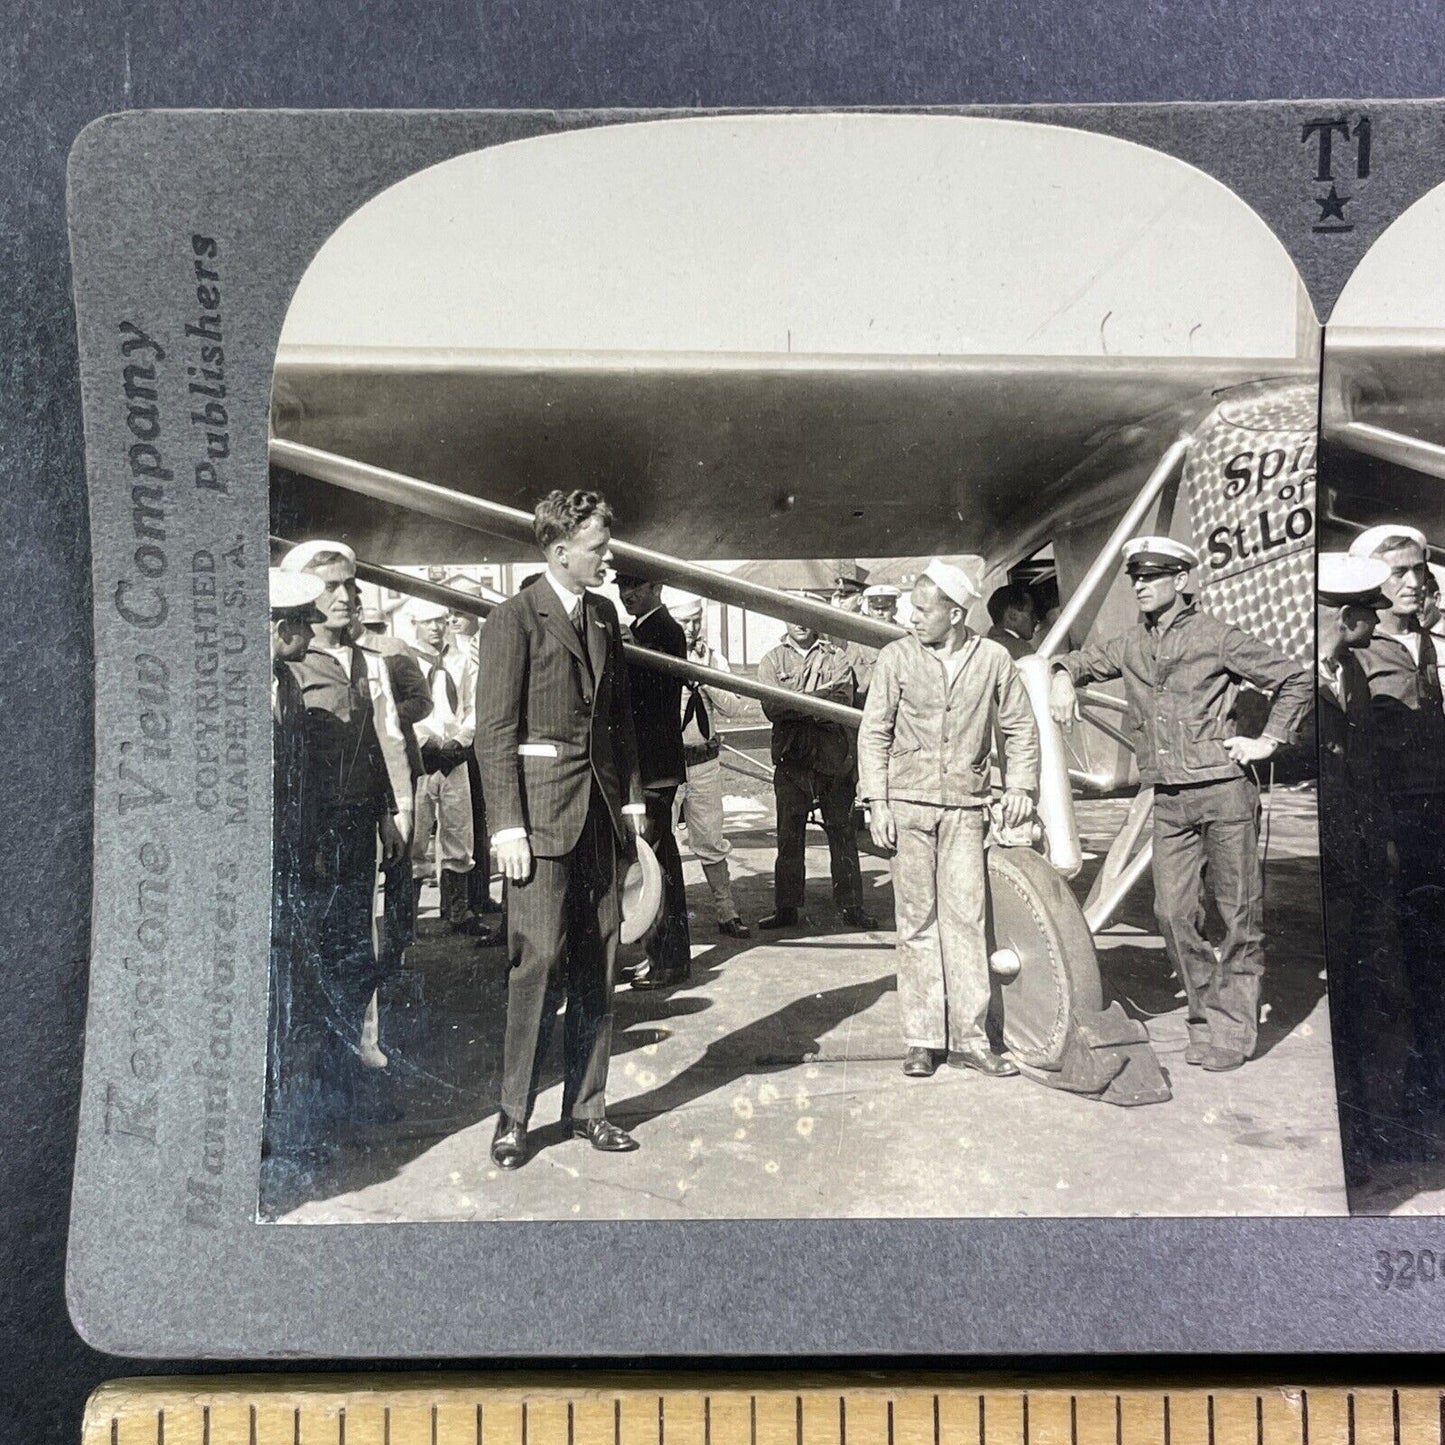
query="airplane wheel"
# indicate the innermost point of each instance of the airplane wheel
(1042, 955)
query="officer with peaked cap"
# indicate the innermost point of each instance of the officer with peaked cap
(1367, 1005)
(359, 786)
(880, 601)
(1181, 669)
(1402, 667)
(923, 754)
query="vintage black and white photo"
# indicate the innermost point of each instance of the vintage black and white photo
(794, 687)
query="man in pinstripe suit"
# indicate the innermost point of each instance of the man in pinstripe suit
(559, 769)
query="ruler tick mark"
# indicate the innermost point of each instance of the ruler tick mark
(1118, 1420)
(114, 1430)
(296, 1426)
(1350, 1417)
(341, 1425)
(479, 1422)
(1304, 1418)
(798, 1417)
(524, 1422)
(205, 1425)
(752, 1420)
(890, 1422)
(434, 1424)
(252, 1427)
(981, 1426)
(1026, 1420)
(937, 1412)
(617, 1422)
(1259, 1420)
(161, 1426)
(1395, 1414)
(707, 1420)
(842, 1421)
(1166, 1420)
(386, 1425)
(1073, 1420)
(1209, 1417)
(571, 1425)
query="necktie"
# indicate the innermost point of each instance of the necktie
(1429, 676)
(579, 618)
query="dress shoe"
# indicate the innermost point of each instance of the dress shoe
(645, 979)
(509, 1143)
(920, 1063)
(1196, 1051)
(859, 918)
(984, 1060)
(734, 928)
(783, 918)
(604, 1135)
(1221, 1061)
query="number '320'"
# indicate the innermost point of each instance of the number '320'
(1405, 1268)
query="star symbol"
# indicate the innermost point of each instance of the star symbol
(1332, 206)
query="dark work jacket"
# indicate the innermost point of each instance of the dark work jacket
(1181, 683)
(1409, 723)
(344, 762)
(553, 719)
(657, 703)
(800, 740)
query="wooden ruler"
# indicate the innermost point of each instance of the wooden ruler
(578, 1409)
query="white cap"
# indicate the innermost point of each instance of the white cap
(683, 605)
(302, 558)
(880, 589)
(291, 591)
(1368, 542)
(1344, 579)
(1161, 552)
(952, 581)
(422, 610)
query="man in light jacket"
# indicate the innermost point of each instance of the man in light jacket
(923, 753)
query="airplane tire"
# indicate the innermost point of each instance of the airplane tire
(1036, 921)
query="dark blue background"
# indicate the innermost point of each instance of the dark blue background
(64, 64)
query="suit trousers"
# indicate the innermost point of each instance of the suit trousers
(443, 822)
(669, 944)
(940, 894)
(1206, 839)
(795, 789)
(562, 925)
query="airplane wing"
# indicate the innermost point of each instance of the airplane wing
(738, 456)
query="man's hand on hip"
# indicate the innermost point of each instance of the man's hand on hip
(1251, 750)
(514, 858)
(881, 824)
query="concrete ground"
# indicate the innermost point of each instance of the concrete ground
(770, 1087)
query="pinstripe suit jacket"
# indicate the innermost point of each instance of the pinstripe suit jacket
(553, 719)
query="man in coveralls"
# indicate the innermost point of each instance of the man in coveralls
(923, 759)
(1181, 669)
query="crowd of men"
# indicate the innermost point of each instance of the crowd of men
(534, 740)
(1381, 647)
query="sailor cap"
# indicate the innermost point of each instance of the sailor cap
(293, 591)
(1345, 580)
(338, 568)
(880, 589)
(422, 610)
(683, 605)
(1368, 542)
(953, 582)
(1159, 554)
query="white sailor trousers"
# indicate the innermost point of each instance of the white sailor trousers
(443, 807)
(939, 900)
(704, 798)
